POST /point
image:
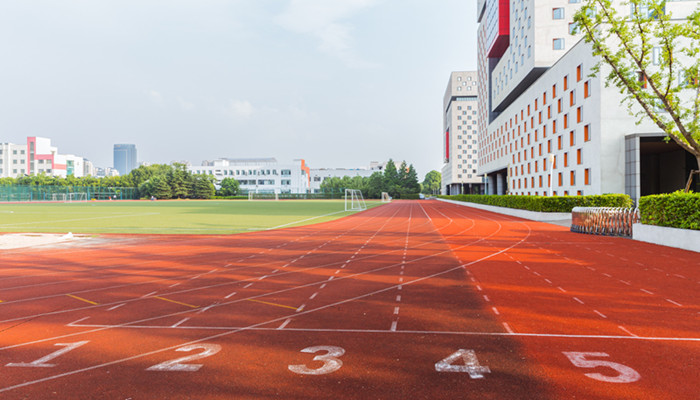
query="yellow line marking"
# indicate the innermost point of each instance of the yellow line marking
(82, 299)
(176, 302)
(272, 304)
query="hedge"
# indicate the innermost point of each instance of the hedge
(675, 210)
(545, 204)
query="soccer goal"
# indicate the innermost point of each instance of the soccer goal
(385, 197)
(354, 200)
(58, 197)
(77, 197)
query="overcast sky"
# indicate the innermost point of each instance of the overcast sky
(339, 83)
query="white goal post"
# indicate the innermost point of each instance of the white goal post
(385, 197)
(75, 197)
(354, 200)
(58, 197)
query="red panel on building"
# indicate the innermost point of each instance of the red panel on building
(500, 44)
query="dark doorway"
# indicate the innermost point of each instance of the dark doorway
(664, 166)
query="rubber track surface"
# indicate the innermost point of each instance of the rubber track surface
(420, 299)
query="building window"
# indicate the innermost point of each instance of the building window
(587, 89)
(558, 13)
(572, 28)
(566, 121)
(566, 159)
(572, 138)
(560, 179)
(656, 55)
(642, 79)
(579, 156)
(572, 97)
(587, 133)
(573, 178)
(578, 73)
(579, 114)
(558, 44)
(554, 91)
(559, 143)
(566, 82)
(587, 176)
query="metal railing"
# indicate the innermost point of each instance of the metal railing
(611, 221)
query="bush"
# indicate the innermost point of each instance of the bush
(410, 196)
(675, 210)
(546, 204)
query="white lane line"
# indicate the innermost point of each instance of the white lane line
(479, 287)
(548, 281)
(174, 284)
(507, 327)
(495, 311)
(175, 325)
(591, 268)
(673, 302)
(337, 271)
(146, 295)
(578, 300)
(518, 262)
(396, 310)
(115, 307)
(624, 259)
(322, 286)
(625, 330)
(638, 263)
(625, 282)
(646, 291)
(248, 285)
(401, 279)
(330, 279)
(399, 287)
(205, 309)
(486, 298)
(526, 267)
(230, 295)
(301, 308)
(537, 273)
(313, 295)
(472, 279)
(398, 298)
(608, 275)
(262, 277)
(680, 276)
(285, 323)
(600, 313)
(561, 288)
(393, 326)
(75, 322)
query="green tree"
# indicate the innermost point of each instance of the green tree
(180, 181)
(412, 180)
(391, 176)
(203, 186)
(432, 182)
(157, 187)
(653, 59)
(229, 187)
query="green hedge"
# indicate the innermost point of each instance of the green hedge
(545, 204)
(410, 196)
(676, 210)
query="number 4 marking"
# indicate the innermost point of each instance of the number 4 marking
(42, 362)
(626, 374)
(471, 364)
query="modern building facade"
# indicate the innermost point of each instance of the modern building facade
(37, 156)
(460, 145)
(547, 126)
(125, 158)
(259, 175)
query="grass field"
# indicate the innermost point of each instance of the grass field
(168, 217)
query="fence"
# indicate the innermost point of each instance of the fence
(610, 221)
(25, 193)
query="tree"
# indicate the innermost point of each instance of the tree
(229, 187)
(411, 182)
(653, 59)
(203, 186)
(391, 176)
(432, 182)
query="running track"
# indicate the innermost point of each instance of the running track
(423, 300)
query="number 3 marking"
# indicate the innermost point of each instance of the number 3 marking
(626, 374)
(174, 365)
(330, 361)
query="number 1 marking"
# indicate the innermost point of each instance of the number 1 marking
(42, 362)
(471, 364)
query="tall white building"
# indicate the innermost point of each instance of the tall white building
(37, 156)
(548, 127)
(259, 175)
(460, 147)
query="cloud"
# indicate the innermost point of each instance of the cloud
(155, 96)
(241, 108)
(323, 20)
(184, 104)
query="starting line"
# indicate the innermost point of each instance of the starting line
(76, 324)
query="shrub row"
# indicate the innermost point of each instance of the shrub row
(546, 204)
(676, 210)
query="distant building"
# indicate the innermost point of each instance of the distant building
(460, 146)
(125, 158)
(318, 175)
(259, 175)
(37, 157)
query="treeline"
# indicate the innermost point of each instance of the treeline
(159, 180)
(399, 183)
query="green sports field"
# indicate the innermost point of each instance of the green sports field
(169, 217)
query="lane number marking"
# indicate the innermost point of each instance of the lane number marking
(42, 362)
(330, 360)
(471, 364)
(625, 373)
(176, 365)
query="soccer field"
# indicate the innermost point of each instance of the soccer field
(168, 217)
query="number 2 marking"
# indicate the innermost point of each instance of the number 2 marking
(42, 362)
(626, 374)
(330, 360)
(175, 365)
(471, 364)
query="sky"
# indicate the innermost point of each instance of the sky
(338, 83)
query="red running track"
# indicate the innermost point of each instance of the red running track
(415, 299)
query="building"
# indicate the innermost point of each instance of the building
(259, 175)
(547, 127)
(125, 158)
(318, 175)
(38, 157)
(460, 146)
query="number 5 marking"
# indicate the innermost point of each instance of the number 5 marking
(626, 374)
(174, 365)
(330, 361)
